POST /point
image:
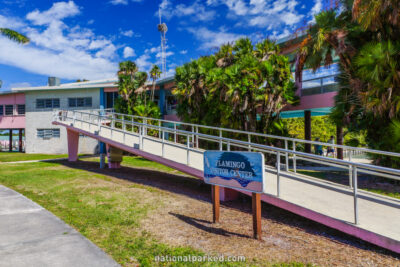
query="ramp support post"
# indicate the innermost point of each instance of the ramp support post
(73, 143)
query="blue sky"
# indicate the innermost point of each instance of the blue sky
(87, 38)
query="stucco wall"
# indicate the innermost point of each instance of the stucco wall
(14, 121)
(42, 119)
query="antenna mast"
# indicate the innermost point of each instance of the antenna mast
(162, 28)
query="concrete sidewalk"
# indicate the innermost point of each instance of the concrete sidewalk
(32, 236)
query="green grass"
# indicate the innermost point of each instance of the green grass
(382, 192)
(107, 211)
(17, 156)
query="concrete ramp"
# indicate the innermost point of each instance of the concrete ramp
(370, 217)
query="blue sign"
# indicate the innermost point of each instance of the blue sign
(238, 170)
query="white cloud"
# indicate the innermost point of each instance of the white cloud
(129, 52)
(167, 54)
(69, 64)
(58, 11)
(316, 8)
(195, 11)
(56, 49)
(262, 13)
(183, 52)
(122, 2)
(119, 2)
(128, 33)
(211, 39)
(143, 62)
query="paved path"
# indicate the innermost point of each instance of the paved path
(32, 236)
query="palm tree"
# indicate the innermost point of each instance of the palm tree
(14, 36)
(155, 73)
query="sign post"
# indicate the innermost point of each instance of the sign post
(215, 201)
(240, 171)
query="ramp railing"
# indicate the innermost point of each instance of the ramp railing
(200, 138)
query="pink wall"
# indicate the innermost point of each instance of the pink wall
(315, 101)
(15, 121)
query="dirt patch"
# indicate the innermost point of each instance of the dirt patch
(186, 215)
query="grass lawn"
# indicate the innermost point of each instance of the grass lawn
(108, 211)
(17, 156)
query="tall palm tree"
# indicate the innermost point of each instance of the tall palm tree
(155, 73)
(13, 35)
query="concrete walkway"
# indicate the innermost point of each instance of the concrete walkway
(32, 236)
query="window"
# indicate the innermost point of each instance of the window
(48, 103)
(9, 110)
(21, 109)
(80, 102)
(323, 80)
(1, 110)
(48, 133)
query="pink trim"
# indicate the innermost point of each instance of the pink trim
(374, 238)
(314, 101)
(110, 89)
(14, 121)
(73, 143)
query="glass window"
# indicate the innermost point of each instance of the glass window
(21, 109)
(88, 102)
(1, 110)
(80, 102)
(321, 81)
(48, 133)
(48, 103)
(71, 102)
(9, 110)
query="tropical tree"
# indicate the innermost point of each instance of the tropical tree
(14, 36)
(242, 86)
(132, 89)
(364, 35)
(155, 73)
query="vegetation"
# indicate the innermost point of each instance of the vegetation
(14, 36)
(134, 99)
(364, 35)
(323, 127)
(155, 73)
(16, 156)
(242, 86)
(107, 211)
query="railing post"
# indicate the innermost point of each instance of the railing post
(193, 135)
(220, 140)
(188, 149)
(159, 129)
(249, 140)
(197, 137)
(294, 157)
(145, 127)
(355, 194)
(98, 123)
(278, 174)
(141, 137)
(228, 146)
(163, 144)
(74, 118)
(287, 156)
(175, 133)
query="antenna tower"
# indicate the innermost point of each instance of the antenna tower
(162, 28)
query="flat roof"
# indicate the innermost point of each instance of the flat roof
(105, 83)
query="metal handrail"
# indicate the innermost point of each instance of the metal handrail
(143, 127)
(290, 139)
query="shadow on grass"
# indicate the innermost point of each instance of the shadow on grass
(201, 224)
(197, 189)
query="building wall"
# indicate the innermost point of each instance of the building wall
(15, 121)
(42, 119)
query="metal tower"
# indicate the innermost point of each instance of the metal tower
(162, 28)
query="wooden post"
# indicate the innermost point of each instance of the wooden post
(256, 201)
(215, 201)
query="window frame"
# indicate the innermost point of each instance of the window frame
(47, 103)
(5, 110)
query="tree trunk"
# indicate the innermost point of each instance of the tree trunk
(307, 129)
